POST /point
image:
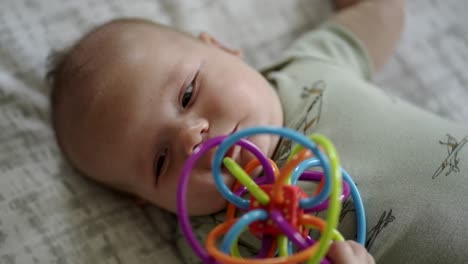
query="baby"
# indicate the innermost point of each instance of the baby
(133, 99)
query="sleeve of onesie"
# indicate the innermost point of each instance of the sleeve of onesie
(329, 48)
(332, 44)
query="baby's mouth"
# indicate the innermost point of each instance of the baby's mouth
(232, 150)
(232, 153)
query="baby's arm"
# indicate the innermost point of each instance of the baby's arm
(349, 252)
(377, 23)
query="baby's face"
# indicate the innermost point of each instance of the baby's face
(151, 97)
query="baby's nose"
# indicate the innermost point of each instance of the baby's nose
(192, 134)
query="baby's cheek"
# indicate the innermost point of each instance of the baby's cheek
(206, 200)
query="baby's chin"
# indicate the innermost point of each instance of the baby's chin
(206, 204)
(204, 197)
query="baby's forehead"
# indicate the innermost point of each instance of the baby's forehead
(131, 36)
(114, 40)
(129, 44)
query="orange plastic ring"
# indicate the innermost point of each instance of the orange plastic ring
(277, 191)
(221, 229)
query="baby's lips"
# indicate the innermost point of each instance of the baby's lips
(211, 153)
(230, 152)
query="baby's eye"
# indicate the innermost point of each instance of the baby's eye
(187, 96)
(159, 163)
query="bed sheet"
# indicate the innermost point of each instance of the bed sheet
(50, 214)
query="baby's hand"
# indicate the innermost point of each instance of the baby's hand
(349, 252)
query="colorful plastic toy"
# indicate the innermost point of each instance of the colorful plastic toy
(278, 211)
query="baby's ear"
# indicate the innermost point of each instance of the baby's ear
(210, 40)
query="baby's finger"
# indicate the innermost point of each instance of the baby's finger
(361, 252)
(349, 252)
(358, 250)
(370, 259)
(340, 252)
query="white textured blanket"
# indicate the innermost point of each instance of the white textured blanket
(49, 214)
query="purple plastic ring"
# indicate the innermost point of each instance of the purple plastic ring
(184, 221)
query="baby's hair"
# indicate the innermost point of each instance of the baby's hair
(55, 65)
(60, 63)
(64, 70)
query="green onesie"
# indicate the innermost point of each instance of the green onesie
(410, 166)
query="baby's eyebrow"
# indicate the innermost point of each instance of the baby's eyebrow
(174, 76)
